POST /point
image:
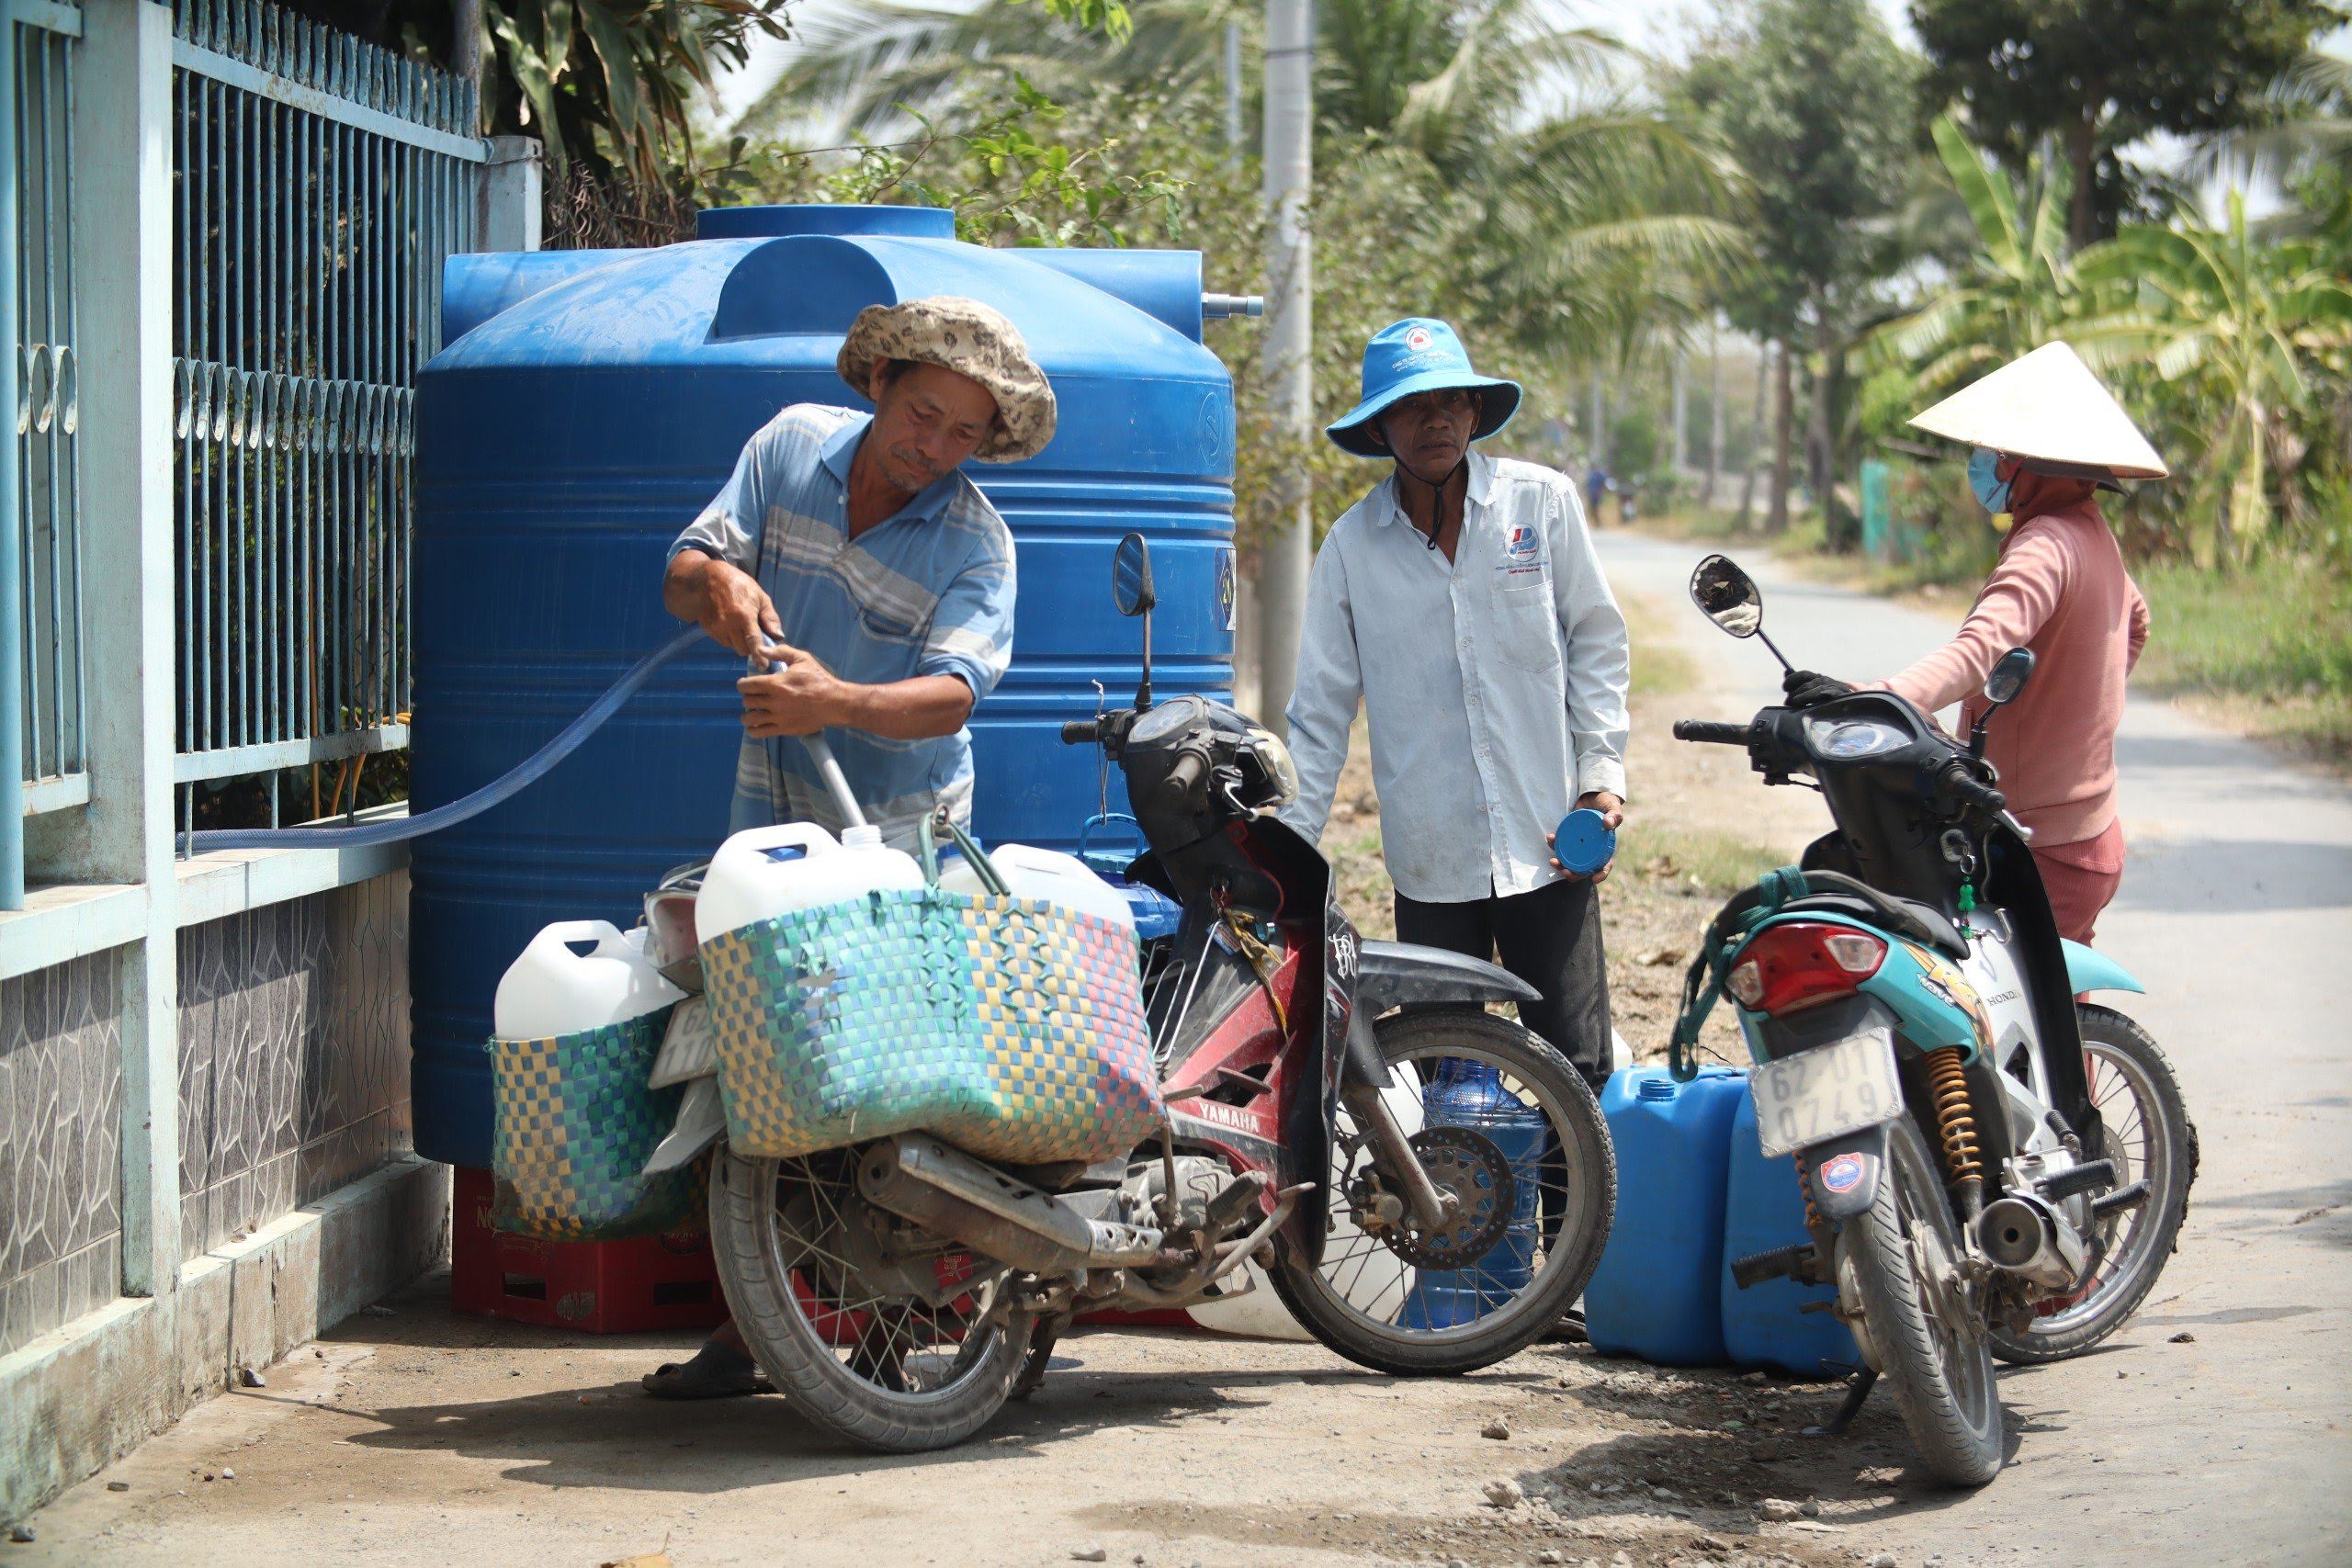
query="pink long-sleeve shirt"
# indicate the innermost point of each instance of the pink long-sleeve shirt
(2061, 590)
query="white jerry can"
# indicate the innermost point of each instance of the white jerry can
(577, 975)
(761, 872)
(1046, 876)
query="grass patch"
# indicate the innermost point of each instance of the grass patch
(2267, 647)
(1701, 861)
(1661, 668)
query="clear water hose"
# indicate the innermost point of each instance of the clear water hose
(364, 835)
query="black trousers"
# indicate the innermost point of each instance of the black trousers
(1550, 938)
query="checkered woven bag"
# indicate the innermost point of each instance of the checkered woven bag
(574, 1125)
(1011, 1027)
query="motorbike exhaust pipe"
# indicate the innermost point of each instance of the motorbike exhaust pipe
(2025, 1235)
(946, 1190)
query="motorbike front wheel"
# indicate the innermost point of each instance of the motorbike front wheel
(1900, 1257)
(836, 1327)
(1503, 1124)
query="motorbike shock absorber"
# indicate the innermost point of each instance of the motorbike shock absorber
(1956, 1126)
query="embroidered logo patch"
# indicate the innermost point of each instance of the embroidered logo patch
(1416, 337)
(1842, 1173)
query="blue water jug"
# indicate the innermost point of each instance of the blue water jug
(1764, 1209)
(1654, 1293)
(1471, 1095)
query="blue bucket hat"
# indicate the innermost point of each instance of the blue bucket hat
(1418, 354)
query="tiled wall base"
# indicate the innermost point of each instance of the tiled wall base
(79, 1397)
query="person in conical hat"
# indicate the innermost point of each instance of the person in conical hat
(2044, 437)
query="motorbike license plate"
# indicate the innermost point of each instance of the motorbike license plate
(1825, 1092)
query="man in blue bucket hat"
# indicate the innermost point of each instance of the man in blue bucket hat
(1461, 603)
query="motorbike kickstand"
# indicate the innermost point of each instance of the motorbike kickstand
(1856, 1392)
(1041, 1351)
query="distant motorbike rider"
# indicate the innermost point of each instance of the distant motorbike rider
(2045, 437)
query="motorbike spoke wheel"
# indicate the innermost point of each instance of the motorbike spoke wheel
(2146, 1131)
(851, 1347)
(1536, 1185)
(1897, 1260)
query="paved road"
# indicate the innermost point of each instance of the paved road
(2237, 909)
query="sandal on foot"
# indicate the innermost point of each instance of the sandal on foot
(716, 1372)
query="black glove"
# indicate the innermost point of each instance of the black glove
(1808, 689)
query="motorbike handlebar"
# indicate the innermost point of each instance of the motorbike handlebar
(1969, 790)
(1714, 732)
(1081, 732)
(1190, 767)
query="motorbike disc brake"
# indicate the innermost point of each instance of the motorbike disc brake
(1477, 1175)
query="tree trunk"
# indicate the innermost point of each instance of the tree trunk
(1776, 512)
(2082, 152)
(1820, 459)
(1679, 449)
(1756, 422)
(1714, 409)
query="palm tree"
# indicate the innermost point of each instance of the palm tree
(2239, 325)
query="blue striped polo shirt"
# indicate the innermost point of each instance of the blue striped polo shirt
(928, 591)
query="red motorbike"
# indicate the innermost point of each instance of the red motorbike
(1426, 1185)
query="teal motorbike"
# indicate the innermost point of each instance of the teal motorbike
(1990, 1165)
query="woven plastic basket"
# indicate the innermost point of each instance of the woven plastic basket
(573, 1125)
(1010, 1027)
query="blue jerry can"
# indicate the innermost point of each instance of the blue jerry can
(1654, 1294)
(1764, 1209)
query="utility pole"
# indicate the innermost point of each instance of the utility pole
(1289, 335)
(1248, 666)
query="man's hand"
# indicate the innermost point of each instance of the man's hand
(1808, 689)
(800, 698)
(726, 601)
(1613, 814)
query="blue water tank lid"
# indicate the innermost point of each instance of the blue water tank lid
(1657, 1088)
(823, 217)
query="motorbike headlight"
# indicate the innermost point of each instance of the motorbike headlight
(1859, 737)
(1274, 757)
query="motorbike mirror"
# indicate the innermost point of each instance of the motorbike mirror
(1131, 577)
(2008, 676)
(1131, 590)
(1727, 596)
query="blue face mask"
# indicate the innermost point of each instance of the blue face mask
(1983, 478)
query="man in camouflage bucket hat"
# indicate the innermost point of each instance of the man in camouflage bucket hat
(870, 585)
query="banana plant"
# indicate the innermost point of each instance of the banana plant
(2241, 328)
(2012, 295)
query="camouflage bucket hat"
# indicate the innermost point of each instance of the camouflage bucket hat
(970, 339)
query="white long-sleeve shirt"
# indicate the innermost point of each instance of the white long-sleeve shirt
(1494, 683)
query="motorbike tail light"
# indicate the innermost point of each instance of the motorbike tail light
(1803, 964)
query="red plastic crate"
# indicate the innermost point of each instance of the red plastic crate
(596, 1287)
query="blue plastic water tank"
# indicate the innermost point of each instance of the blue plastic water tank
(593, 405)
(1653, 1293)
(1765, 1326)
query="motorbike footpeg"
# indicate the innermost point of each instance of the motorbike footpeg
(2091, 1175)
(1781, 1263)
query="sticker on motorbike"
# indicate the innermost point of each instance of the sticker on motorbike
(1842, 1173)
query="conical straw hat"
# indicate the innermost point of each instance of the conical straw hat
(2049, 406)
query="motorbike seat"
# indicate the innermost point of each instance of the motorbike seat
(1930, 922)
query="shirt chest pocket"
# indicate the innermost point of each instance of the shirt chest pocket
(1527, 627)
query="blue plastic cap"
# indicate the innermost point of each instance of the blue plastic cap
(1584, 842)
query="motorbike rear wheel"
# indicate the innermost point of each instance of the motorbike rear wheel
(880, 1368)
(1576, 1176)
(2145, 1130)
(1899, 1257)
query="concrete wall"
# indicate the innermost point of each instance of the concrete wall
(60, 1114)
